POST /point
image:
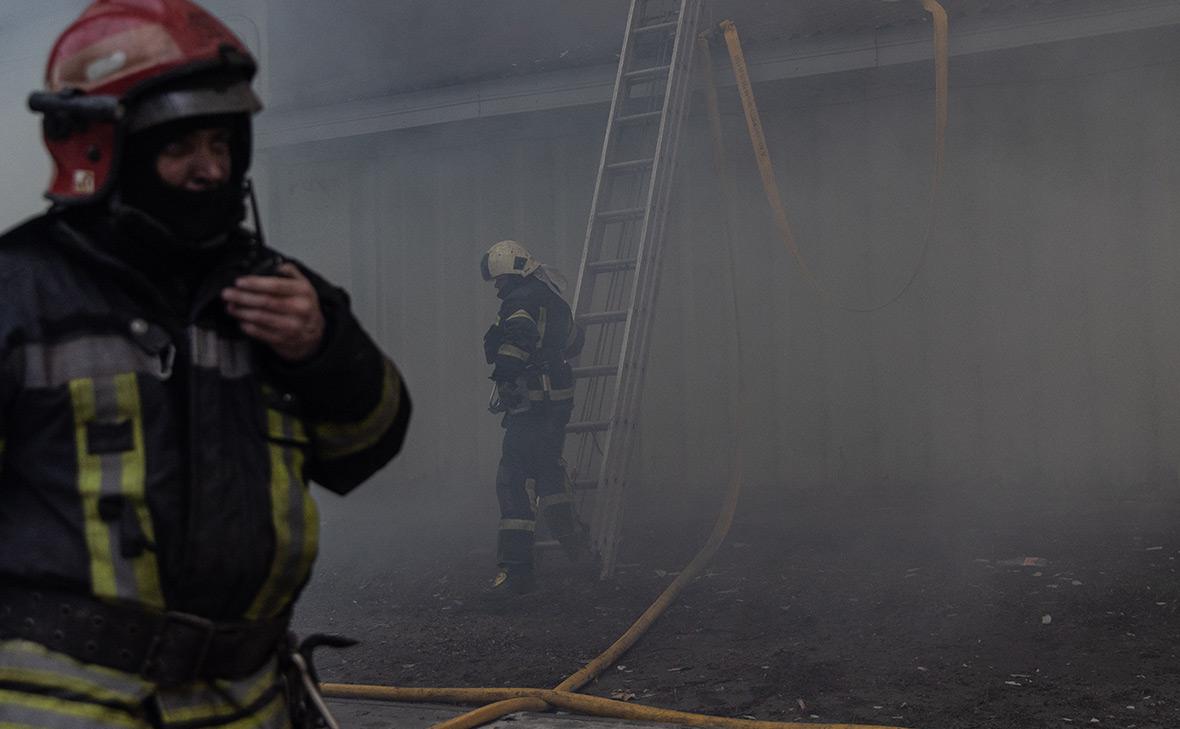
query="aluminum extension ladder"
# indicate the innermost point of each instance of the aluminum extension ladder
(619, 271)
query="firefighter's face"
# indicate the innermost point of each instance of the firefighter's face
(197, 161)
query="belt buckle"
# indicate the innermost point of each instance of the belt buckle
(178, 650)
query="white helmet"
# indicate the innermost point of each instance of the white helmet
(508, 258)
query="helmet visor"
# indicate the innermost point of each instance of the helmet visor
(169, 106)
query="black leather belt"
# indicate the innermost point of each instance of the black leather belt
(167, 648)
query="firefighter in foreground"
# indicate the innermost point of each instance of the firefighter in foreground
(529, 347)
(168, 386)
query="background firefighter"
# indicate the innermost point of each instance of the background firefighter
(167, 387)
(529, 347)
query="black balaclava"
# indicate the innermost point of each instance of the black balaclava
(196, 220)
(510, 285)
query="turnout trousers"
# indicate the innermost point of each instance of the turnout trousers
(43, 689)
(531, 480)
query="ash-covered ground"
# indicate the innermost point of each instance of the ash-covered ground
(879, 614)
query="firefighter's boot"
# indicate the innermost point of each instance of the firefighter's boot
(515, 557)
(513, 579)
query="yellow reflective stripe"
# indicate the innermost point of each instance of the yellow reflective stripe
(114, 474)
(33, 663)
(511, 350)
(337, 440)
(554, 499)
(519, 525)
(565, 394)
(271, 716)
(134, 478)
(49, 679)
(98, 536)
(521, 314)
(32, 710)
(295, 520)
(200, 701)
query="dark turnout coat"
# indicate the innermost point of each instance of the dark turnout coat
(150, 453)
(534, 337)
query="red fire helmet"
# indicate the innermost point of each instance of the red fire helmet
(124, 66)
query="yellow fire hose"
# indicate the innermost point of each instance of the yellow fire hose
(770, 183)
(512, 700)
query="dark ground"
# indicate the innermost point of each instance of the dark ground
(885, 615)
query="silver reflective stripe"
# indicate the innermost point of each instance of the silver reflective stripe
(232, 358)
(106, 410)
(521, 314)
(518, 525)
(52, 365)
(32, 664)
(530, 490)
(511, 350)
(538, 395)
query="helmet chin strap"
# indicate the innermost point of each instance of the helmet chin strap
(255, 218)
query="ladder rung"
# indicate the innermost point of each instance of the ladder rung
(589, 426)
(614, 216)
(617, 264)
(646, 72)
(585, 484)
(640, 117)
(630, 164)
(596, 371)
(655, 26)
(603, 317)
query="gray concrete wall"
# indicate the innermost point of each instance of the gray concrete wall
(1030, 360)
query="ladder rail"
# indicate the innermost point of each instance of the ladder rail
(606, 150)
(595, 395)
(624, 243)
(616, 456)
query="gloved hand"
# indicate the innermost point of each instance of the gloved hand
(511, 395)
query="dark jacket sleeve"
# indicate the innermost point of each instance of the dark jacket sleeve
(351, 394)
(519, 337)
(575, 341)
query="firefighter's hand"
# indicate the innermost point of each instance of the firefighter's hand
(280, 311)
